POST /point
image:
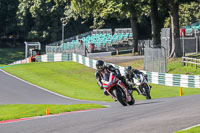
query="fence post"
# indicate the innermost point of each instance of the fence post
(196, 40)
(183, 61)
(196, 64)
(191, 62)
(187, 61)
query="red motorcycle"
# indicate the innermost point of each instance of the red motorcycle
(117, 90)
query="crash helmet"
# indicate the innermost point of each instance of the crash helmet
(128, 68)
(100, 65)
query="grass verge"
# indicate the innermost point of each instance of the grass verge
(78, 81)
(138, 64)
(174, 66)
(67, 78)
(16, 111)
(192, 130)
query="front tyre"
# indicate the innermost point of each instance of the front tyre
(120, 96)
(132, 100)
(147, 91)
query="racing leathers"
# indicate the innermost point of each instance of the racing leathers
(133, 73)
(101, 74)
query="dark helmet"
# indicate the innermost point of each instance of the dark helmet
(99, 64)
(128, 68)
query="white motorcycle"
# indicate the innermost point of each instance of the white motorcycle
(140, 82)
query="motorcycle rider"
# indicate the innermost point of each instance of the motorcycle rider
(102, 73)
(133, 73)
(130, 73)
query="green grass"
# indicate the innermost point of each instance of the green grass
(16, 111)
(1, 66)
(192, 130)
(161, 91)
(138, 64)
(174, 66)
(67, 78)
(75, 80)
(9, 55)
(78, 81)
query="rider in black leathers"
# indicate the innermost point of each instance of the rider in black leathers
(133, 73)
(103, 69)
(130, 73)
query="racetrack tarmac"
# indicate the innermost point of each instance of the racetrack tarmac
(164, 115)
(14, 90)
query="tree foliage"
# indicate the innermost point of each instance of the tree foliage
(188, 14)
(8, 23)
(173, 6)
(41, 20)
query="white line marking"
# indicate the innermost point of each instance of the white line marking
(42, 88)
(190, 127)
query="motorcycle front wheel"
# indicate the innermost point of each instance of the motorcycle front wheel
(132, 100)
(119, 94)
(147, 91)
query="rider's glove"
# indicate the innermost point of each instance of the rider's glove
(118, 75)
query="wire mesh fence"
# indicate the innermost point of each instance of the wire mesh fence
(155, 59)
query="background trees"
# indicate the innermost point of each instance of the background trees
(41, 20)
(8, 23)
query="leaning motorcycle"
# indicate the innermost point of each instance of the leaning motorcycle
(117, 90)
(140, 82)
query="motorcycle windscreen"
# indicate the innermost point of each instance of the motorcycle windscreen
(108, 80)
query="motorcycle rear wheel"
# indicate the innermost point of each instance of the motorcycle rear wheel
(120, 97)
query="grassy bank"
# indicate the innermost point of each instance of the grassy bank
(78, 81)
(66, 78)
(174, 66)
(17, 111)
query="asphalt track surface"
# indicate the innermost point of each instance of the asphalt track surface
(164, 115)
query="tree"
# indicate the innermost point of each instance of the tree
(8, 23)
(189, 13)
(175, 48)
(133, 8)
(155, 24)
(40, 19)
(102, 10)
(173, 6)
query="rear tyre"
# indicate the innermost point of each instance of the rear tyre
(119, 94)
